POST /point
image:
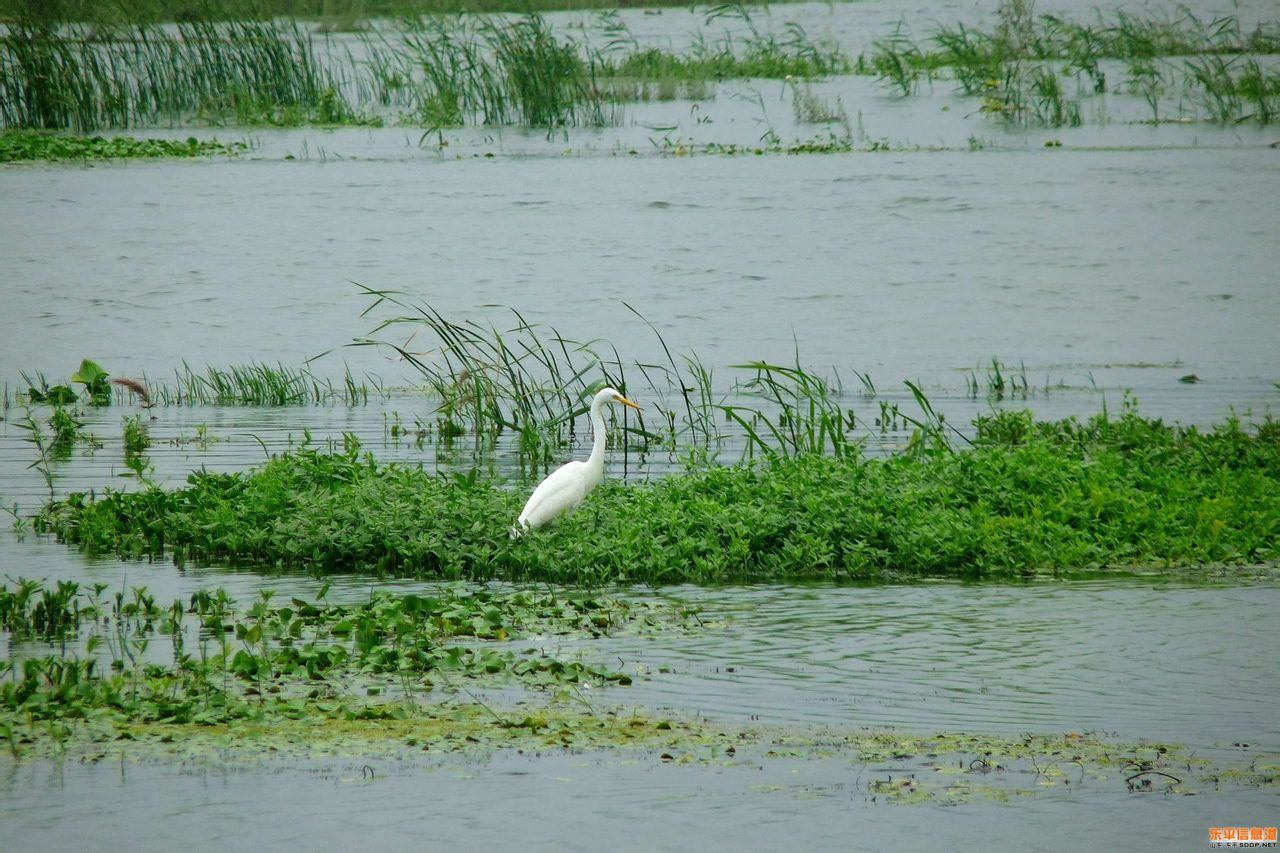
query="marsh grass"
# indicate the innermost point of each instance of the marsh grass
(532, 382)
(1001, 382)
(46, 454)
(1019, 67)
(529, 381)
(488, 71)
(809, 108)
(436, 71)
(70, 77)
(65, 429)
(257, 384)
(135, 437)
(1236, 89)
(329, 15)
(898, 61)
(801, 414)
(759, 53)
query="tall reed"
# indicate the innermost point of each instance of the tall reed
(70, 77)
(532, 381)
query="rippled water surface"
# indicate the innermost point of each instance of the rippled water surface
(1080, 265)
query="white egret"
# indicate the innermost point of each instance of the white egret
(566, 486)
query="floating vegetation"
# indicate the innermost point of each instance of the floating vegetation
(39, 392)
(952, 768)
(1028, 498)
(271, 662)
(830, 144)
(31, 610)
(184, 668)
(97, 388)
(33, 146)
(397, 673)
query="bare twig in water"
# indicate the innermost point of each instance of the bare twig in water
(1142, 773)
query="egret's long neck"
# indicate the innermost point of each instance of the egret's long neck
(596, 460)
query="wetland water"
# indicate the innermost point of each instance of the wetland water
(1130, 257)
(1166, 661)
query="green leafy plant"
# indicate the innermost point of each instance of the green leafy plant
(136, 440)
(40, 392)
(65, 431)
(94, 379)
(1047, 497)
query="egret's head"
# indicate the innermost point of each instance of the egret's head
(613, 395)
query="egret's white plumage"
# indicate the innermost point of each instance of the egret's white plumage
(566, 486)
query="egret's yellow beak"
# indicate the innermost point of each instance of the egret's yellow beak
(624, 401)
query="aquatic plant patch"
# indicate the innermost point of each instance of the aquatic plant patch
(892, 767)
(1029, 498)
(951, 768)
(130, 669)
